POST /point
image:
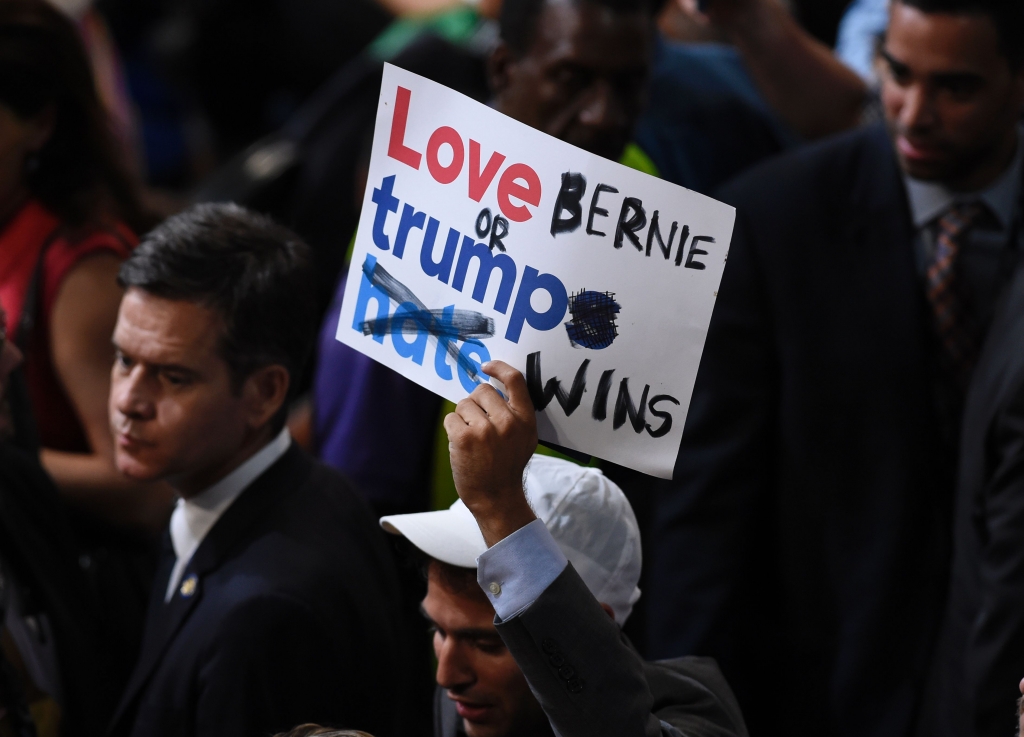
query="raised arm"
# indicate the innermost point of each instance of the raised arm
(798, 75)
(585, 675)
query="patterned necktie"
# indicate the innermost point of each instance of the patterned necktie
(957, 334)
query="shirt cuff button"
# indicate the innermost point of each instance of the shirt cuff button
(495, 588)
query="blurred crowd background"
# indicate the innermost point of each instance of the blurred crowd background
(271, 104)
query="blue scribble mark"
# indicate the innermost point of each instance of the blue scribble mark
(448, 325)
(593, 319)
(459, 325)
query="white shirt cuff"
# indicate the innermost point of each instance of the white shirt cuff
(516, 571)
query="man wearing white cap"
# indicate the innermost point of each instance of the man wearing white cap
(536, 648)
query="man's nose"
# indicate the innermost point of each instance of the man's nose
(454, 671)
(602, 107)
(917, 111)
(131, 396)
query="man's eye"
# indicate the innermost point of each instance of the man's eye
(123, 361)
(176, 379)
(490, 647)
(961, 90)
(570, 77)
(900, 76)
(631, 83)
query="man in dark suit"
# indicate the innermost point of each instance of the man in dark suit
(527, 590)
(981, 649)
(804, 541)
(275, 603)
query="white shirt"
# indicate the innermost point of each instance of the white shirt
(193, 518)
(517, 570)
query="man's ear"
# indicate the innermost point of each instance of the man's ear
(498, 68)
(264, 393)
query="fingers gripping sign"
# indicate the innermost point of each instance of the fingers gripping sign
(491, 441)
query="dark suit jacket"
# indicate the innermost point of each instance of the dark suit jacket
(39, 549)
(803, 542)
(592, 683)
(980, 658)
(294, 619)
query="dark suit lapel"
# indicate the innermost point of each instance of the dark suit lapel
(879, 215)
(152, 640)
(164, 620)
(1002, 352)
(1003, 348)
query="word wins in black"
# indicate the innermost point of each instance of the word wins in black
(625, 409)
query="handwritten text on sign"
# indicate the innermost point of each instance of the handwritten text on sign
(483, 238)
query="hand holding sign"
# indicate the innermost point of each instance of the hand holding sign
(491, 441)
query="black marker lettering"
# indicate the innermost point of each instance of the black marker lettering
(595, 210)
(666, 418)
(655, 232)
(694, 251)
(600, 411)
(624, 407)
(483, 230)
(628, 226)
(683, 237)
(499, 231)
(569, 197)
(541, 393)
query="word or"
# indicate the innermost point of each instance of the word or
(496, 228)
(632, 220)
(523, 312)
(625, 409)
(509, 186)
(593, 319)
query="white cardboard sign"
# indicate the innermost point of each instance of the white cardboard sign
(481, 238)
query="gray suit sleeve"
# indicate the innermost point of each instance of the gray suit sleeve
(592, 683)
(992, 664)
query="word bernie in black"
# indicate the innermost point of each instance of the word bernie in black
(568, 217)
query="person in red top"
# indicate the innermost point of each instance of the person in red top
(68, 212)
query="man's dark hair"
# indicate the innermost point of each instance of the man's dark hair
(255, 273)
(1008, 16)
(461, 581)
(518, 18)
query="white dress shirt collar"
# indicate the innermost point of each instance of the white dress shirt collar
(193, 518)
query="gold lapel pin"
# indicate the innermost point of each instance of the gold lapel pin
(189, 586)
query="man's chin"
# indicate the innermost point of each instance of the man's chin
(926, 171)
(609, 147)
(473, 729)
(925, 164)
(136, 469)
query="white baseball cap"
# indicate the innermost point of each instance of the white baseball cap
(588, 516)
